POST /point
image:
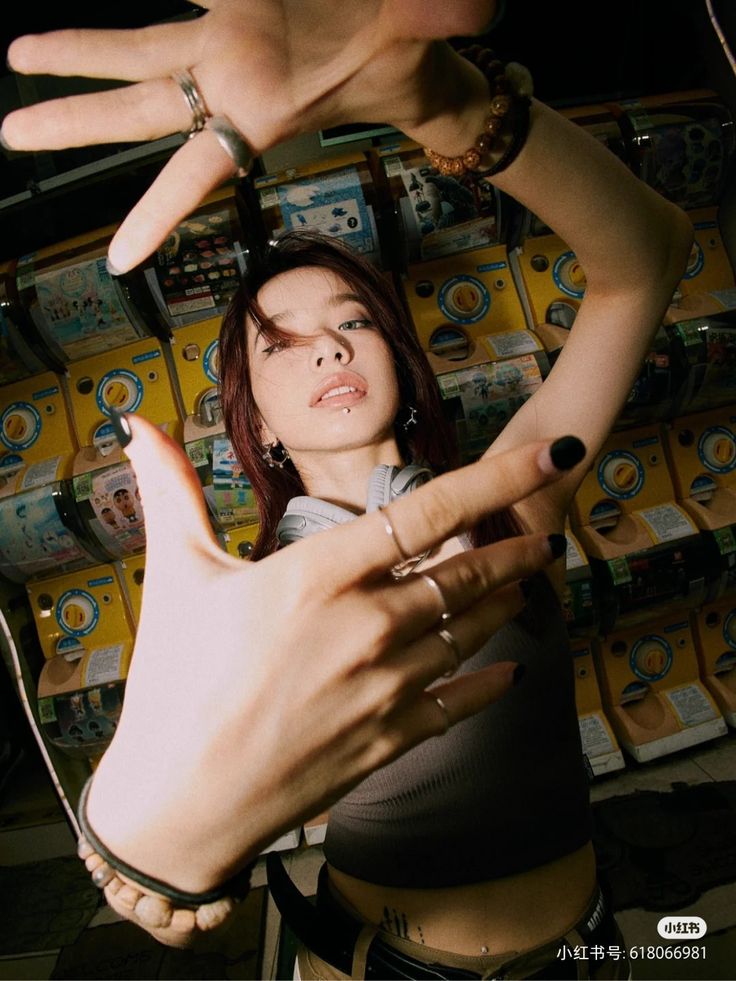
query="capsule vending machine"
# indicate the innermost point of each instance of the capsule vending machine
(650, 565)
(453, 270)
(191, 279)
(682, 144)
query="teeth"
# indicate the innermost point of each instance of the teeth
(342, 390)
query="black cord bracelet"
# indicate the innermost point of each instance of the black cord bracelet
(235, 888)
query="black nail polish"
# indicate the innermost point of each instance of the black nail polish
(557, 545)
(121, 426)
(566, 452)
(519, 672)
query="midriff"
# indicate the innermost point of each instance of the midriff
(515, 913)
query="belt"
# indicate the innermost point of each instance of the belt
(331, 932)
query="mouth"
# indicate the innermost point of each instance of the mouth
(338, 391)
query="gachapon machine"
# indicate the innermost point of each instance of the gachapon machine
(427, 215)
(600, 746)
(77, 307)
(482, 392)
(646, 552)
(21, 351)
(701, 449)
(682, 145)
(335, 197)
(651, 689)
(86, 635)
(714, 628)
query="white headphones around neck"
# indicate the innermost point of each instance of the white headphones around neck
(307, 515)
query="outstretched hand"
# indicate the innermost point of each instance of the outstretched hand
(276, 68)
(259, 693)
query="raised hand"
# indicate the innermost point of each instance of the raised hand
(274, 68)
(259, 693)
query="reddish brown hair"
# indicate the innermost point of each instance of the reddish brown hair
(429, 442)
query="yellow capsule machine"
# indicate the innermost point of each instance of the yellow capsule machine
(702, 451)
(652, 693)
(452, 268)
(86, 634)
(649, 562)
(683, 144)
(191, 279)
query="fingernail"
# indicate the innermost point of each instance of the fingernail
(121, 426)
(526, 587)
(566, 452)
(4, 143)
(557, 545)
(519, 672)
(111, 269)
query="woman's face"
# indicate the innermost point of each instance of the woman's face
(334, 385)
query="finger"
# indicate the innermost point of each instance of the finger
(441, 509)
(461, 581)
(197, 168)
(460, 698)
(173, 503)
(131, 113)
(443, 649)
(130, 55)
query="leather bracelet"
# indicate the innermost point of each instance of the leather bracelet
(234, 889)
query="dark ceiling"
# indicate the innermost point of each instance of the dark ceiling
(584, 51)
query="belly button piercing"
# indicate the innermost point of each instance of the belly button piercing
(484, 949)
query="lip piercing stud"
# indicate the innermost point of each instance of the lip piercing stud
(346, 411)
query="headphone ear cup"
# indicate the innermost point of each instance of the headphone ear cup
(307, 515)
(379, 487)
(387, 483)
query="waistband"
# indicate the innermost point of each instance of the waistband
(334, 934)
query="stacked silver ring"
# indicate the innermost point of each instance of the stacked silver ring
(194, 99)
(230, 139)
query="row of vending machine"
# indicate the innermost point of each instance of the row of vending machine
(493, 295)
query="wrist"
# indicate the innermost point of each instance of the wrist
(169, 833)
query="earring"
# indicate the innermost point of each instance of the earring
(412, 420)
(276, 461)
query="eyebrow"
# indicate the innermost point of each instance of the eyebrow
(336, 300)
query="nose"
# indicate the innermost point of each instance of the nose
(332, 348)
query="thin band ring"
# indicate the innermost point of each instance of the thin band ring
(389, 529)
(435, 586)
(194, 98)
(233, 143)
(443, 709)
(454, 647)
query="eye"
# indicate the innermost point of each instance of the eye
(355, 324)
(275, 348)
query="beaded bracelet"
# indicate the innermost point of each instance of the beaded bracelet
(506, 126)
(186, 910)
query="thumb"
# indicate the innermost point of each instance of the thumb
(174, 508)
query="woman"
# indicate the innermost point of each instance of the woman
(324, 390)
(280, 69)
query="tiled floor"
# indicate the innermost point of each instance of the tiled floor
(715, 761)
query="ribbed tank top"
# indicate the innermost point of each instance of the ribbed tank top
(500, 793)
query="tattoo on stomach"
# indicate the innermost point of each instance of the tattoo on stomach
(395, 921)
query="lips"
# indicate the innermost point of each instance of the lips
(343, 388)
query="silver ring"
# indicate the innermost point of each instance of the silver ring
(443, 709)
(232, 142)
(454, 647)
(389, 529)
(435, 586)
(195, 100)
